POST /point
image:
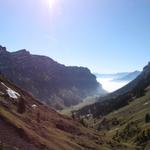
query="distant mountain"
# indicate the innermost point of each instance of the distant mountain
(49, 81)
(124, 115)
(113, 75)
(129, 77)
(27, 124)
(122, 76)
(141, 81)
(121, 97)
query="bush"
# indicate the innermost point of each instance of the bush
(130, 130)
(147, 118)
(83, 122)
(21, 106)
(1, 146)
(143, 137)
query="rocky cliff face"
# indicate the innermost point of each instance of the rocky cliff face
(49, 81)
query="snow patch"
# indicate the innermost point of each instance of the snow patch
(146, 103)
(34, 106)
(10, 92)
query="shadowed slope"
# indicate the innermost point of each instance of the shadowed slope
(38, 126)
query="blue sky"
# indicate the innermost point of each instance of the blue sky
(104, 35)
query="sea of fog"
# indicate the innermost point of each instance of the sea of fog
(110, 85)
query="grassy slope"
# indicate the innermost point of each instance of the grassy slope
(58, 132)
(134, 114)
(53, 132)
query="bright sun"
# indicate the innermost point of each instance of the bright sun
(51, 3)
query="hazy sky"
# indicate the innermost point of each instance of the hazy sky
(103, 35)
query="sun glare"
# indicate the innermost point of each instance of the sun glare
(51, 3)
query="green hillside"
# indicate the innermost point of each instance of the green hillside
(128, 126)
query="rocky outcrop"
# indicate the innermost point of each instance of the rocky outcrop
(49, 81)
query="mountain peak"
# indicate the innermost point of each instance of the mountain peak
(22, 52)
(147, 67)
(2, 49)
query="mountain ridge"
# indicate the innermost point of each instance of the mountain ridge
(122, 96)
(120, 76)
(129, 77)
(53, 83)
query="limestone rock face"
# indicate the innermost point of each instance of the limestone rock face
(49, 81)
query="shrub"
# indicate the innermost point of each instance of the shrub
(38, 117)
(83, 122)
(143, 137)
(21, 106)
(130, 130)
(147, 118)
(1, 146)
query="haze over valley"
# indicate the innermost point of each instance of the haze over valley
(113, 82)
